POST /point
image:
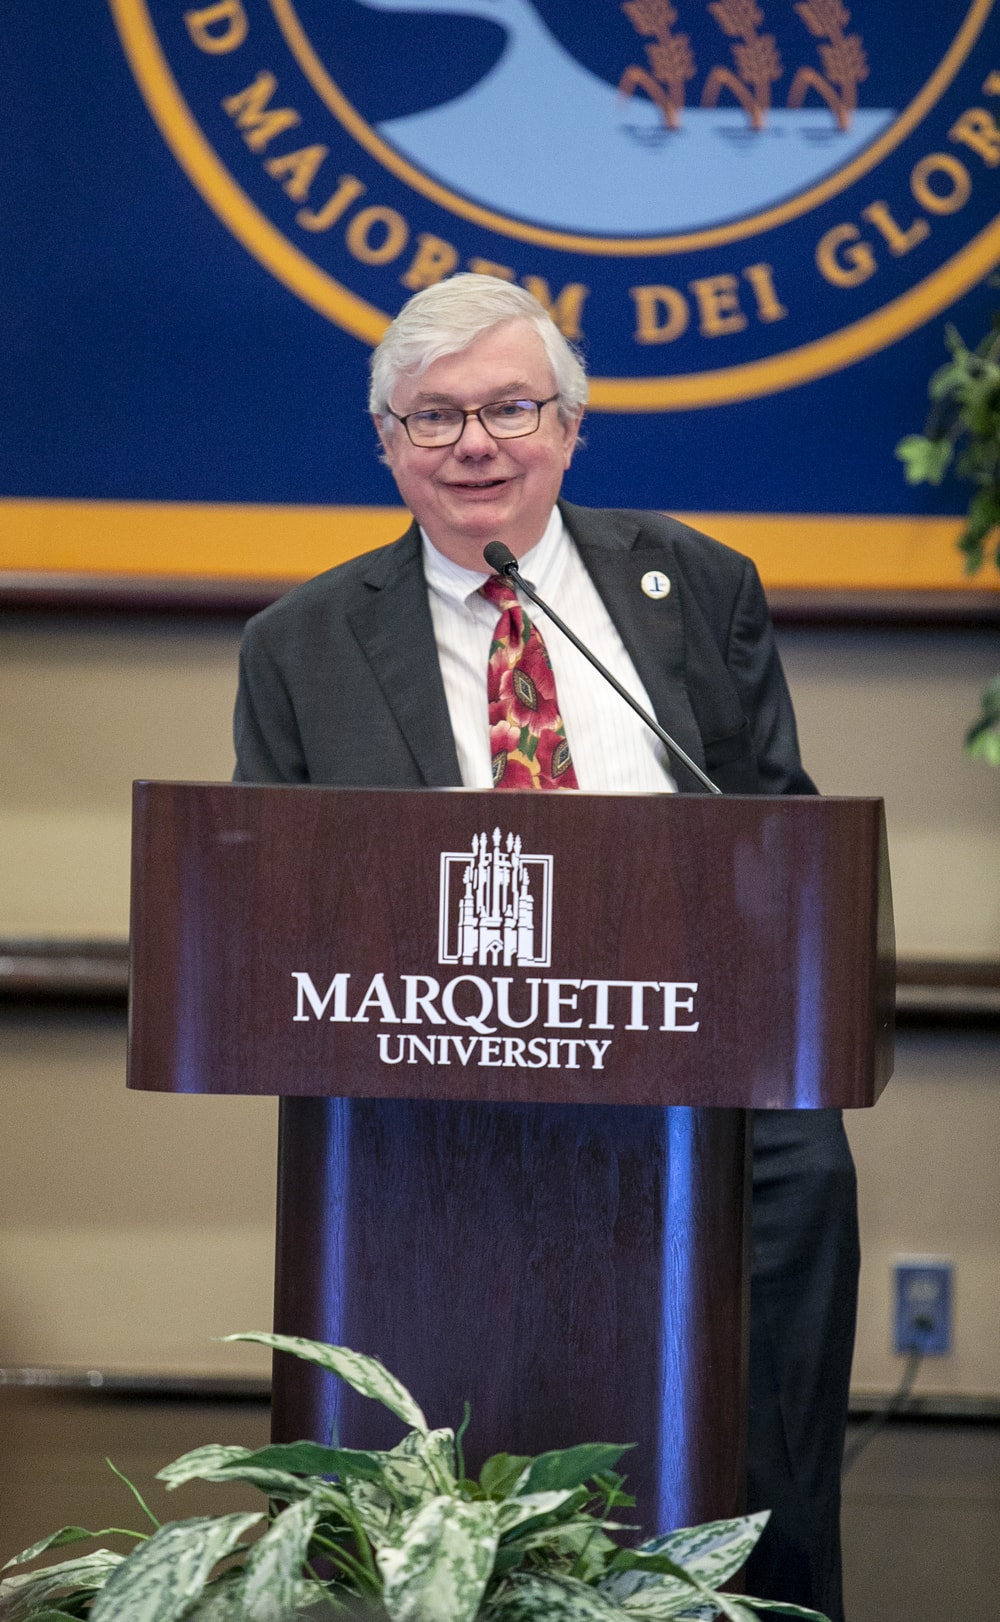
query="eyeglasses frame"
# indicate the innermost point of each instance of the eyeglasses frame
(446, 444)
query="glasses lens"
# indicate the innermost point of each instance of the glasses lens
(509, 418)
(439, 427)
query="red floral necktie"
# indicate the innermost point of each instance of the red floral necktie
(527, 737)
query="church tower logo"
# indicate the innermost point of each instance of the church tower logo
(495, 905)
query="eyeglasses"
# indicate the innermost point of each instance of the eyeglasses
(439, 426)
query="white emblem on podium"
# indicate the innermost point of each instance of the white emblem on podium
(495, 905)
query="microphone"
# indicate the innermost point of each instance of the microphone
(503, 562)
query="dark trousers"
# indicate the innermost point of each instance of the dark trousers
(803, 1305)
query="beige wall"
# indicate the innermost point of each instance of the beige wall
(133, 1229)
(929, 1184)
(86, 706)
(135, 1226)
(884, 712)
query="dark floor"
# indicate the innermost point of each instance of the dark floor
(921, 1505)
(921, 1525)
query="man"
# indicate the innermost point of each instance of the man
(394, 670)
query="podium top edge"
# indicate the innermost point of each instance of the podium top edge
(155, 783)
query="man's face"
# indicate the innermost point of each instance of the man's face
(482, 489)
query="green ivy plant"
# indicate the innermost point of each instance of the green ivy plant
(403, 1536)
(963, 434)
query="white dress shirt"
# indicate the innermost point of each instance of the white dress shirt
(612, 749)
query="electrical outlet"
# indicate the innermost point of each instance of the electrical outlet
(923, 1305)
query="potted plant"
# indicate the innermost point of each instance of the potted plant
(403, 1535)
(963, 434)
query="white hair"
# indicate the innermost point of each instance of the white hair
(448, 317)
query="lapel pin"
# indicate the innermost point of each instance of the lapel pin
(655, 584)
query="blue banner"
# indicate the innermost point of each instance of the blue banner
(753, 215)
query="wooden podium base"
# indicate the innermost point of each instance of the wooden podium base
(578, 1273)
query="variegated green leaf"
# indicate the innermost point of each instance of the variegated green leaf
(201, 1464)
(530, 1509)
(404, 1485)
(438, 1570)
(582, 1540)
(702, 1555)
(661, 1601)
(569, 1466)
(554, 1599)
(422, 1463)
(274, 1567)
(222, 1601)
(715, 1549)
(314, 1599)
(21, 1596)
(218, 1463)
(729, 1605)
(335, 1501)
(346, 1510)
(363, 1374)
(374, 1511)
(418, 1468)
(55, 1540)
(438, 1447)
(312, 1459)
(709, 1554)
(668, 1596)
(781, 1607)
(162, 1578)
(692, 1611)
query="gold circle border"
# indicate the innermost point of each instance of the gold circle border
(362, 320)
(361, 131)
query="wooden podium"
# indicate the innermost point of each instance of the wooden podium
(515, 1038)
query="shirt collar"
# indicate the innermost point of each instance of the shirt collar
(542, 566)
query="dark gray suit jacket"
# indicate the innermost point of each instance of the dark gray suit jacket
(339, 681)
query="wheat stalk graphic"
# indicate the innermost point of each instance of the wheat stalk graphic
(842, 55)
(670, 58)
(757, 58)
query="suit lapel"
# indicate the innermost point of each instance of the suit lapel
(395, 632)
(617, 554)
(396, 635)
